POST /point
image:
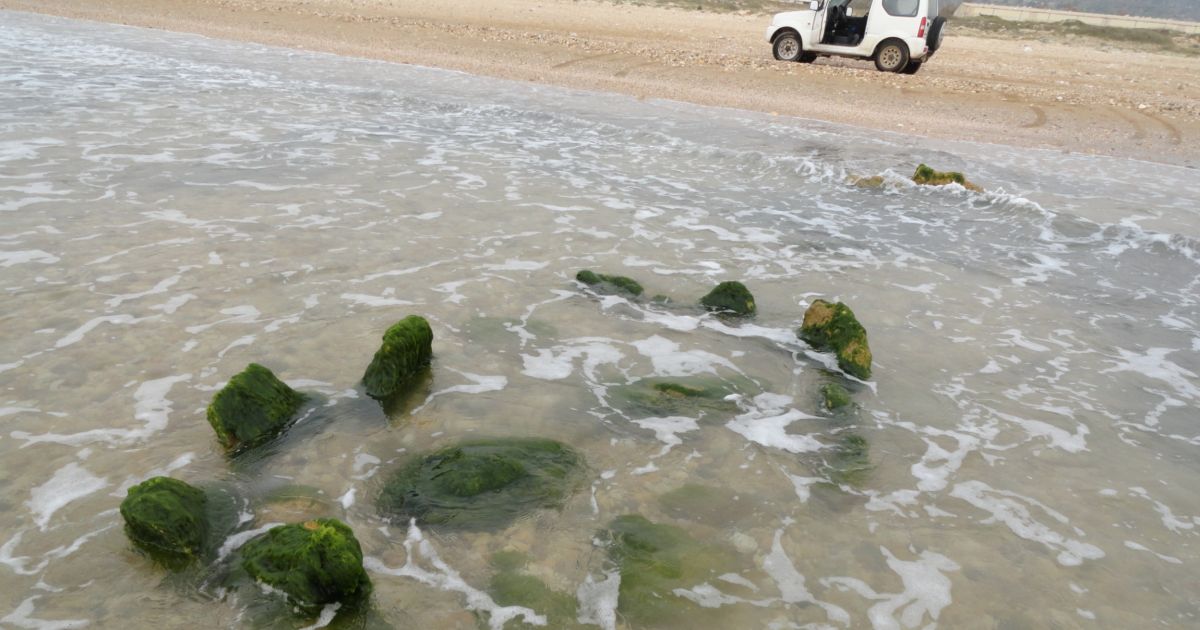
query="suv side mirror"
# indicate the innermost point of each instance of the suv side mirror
(814, 5)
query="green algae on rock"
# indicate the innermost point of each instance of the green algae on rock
(482, 484)
(602, 283)
(834, 396)
(315, 563)
(833, 327)
(407, 347)
(926, 176)
(850, 461)
(691, 397)
(511, 586)
(654, 560)
(167, 516)
(731, 296)
(252, 408)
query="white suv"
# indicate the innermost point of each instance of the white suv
(899, 35)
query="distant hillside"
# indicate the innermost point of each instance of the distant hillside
(1171, 9)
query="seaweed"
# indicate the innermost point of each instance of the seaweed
(833, 327)
(252, 408)
(602, 283)
(926, 176)
(730, 297)
(407, 348)
(315, 563)
(168, 518)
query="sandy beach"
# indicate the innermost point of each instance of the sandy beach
(1089, 99)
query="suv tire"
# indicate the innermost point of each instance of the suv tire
(807, 57)
(891, 56)
(911, 68)
(933, 38)
(787, 47)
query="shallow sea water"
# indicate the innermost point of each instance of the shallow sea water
(173, 208)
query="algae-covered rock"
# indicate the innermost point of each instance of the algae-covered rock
(929, 177)
(866, 181)
(252, 408)
(654, 560)
(834, 396)
(692, 397)
(511, 586)
(407, 347)
(850, 461)
(602, 283)
(166, 516)
(482, 484)
(731, 297)
(315, 563)
(833, 327)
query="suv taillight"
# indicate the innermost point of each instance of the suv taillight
(921, 31)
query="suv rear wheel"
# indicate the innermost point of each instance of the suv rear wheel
(891, 56)
(787, 47)
(912, 67)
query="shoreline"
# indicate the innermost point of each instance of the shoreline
(1123, 104)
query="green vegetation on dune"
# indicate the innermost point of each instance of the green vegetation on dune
(1140, 38)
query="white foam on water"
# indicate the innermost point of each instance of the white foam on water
(401, 272)
(4, 367)
(598, 600)
(151, 406)
(8, 259)
(328, 612)
(131, 481)
(21, 564)
(669, 360)
(237, 540)
(791, 583)
(801, 485)
(1012, 510)
(76, 335)
(244, 314)
(557, 363)
(372, 300)
(8, 411)
(515, 265)
(444, 577)
(1154, 364)
(479, 384)
(1140, 547)
(347, 499)
(767, 425)
(20, 618)
(236, 343)
(69, 483)
(926, 591)
(706, 595)
(1170, 521)
(160, 287)
(667, 430)
(174, 303)
(364, 461)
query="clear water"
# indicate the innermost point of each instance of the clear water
(172, 208)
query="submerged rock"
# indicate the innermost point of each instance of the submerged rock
(315, 563)
(850, 461)
(511, 586)
(253, 408)
(731, 297)
(407, 347)
(692, 397)
(833, 327)
(866, 181)
(602, 283)
(482, 484)
(656, 559)
(834, 396)
(167, 516)
(929, 177)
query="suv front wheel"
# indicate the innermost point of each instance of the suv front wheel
(787, 47)
(891, 56)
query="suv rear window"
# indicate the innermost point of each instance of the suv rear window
(901, 8)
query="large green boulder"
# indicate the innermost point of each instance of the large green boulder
(833, 327)
(252, 408)
(655, 559)
(315, 563)
(730, 297)
(166, 516)
(926, 176)
(407, 348)
(482, 484)
(602, 283)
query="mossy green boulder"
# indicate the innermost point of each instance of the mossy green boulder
(167, 516)
(407, 348)
(655, 559)
(928, 177)
(315, 563)
(730, 297)
(252, 408)
(602, 283)
(834, 396)
(833, 327)
(482, 484)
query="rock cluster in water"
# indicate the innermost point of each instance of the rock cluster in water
(833, 327)
(602, 283)
(732, 297)
(926, 176)
(316, 562)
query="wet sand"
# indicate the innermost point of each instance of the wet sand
(1078, 98)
